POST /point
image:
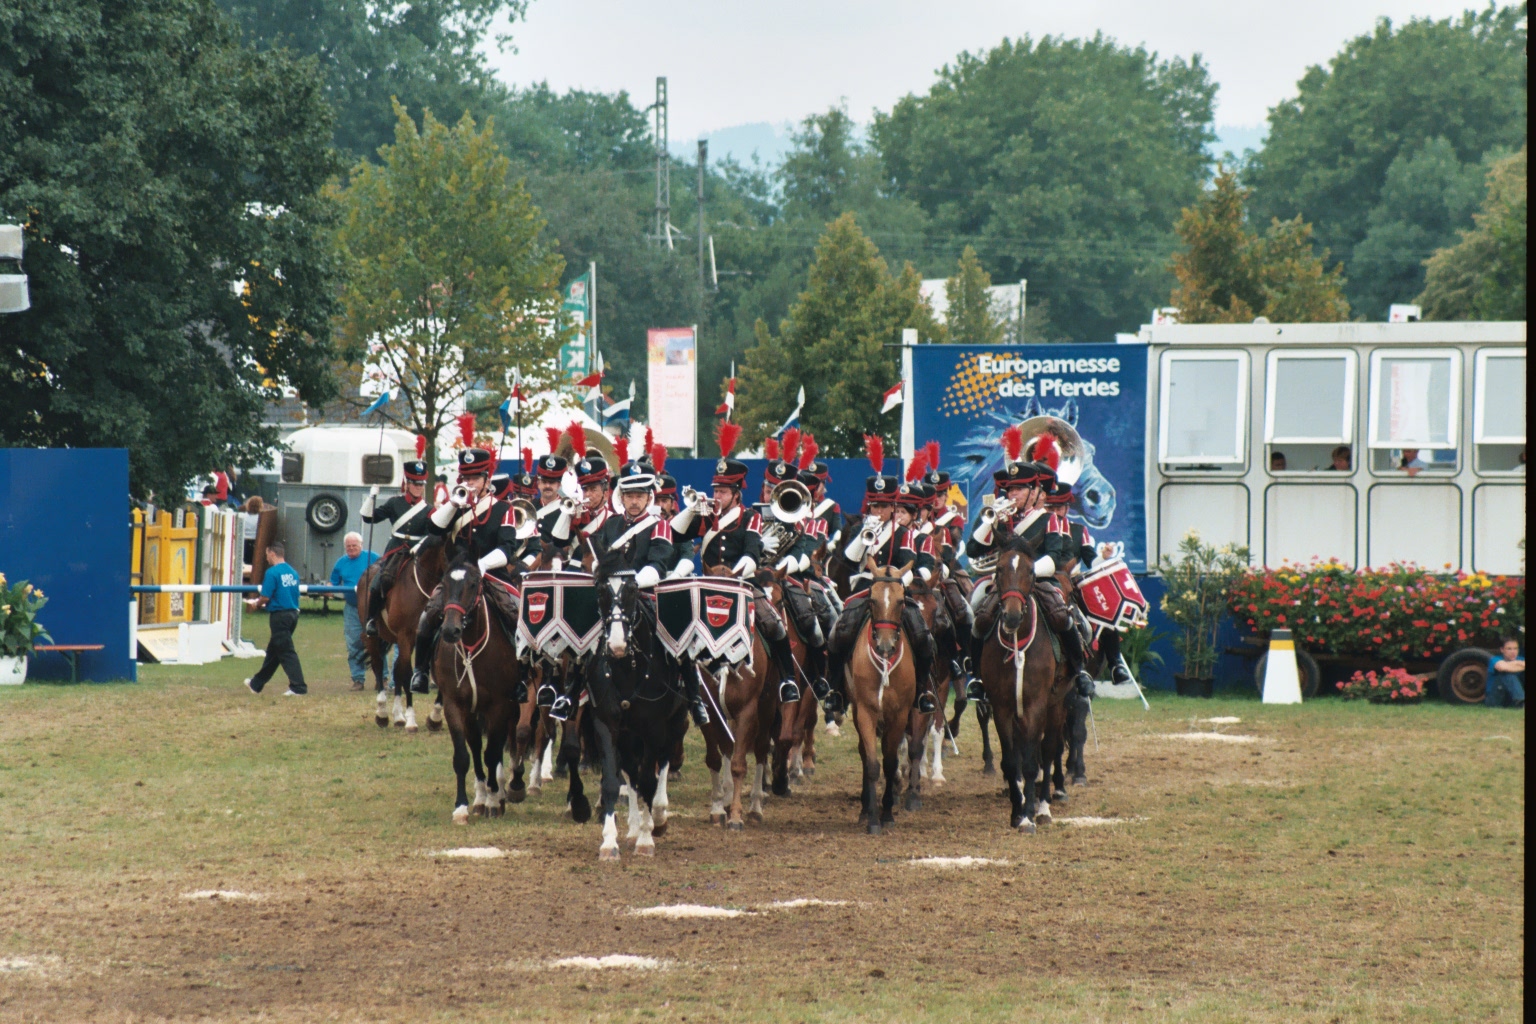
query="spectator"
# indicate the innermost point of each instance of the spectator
(252, 519)
(220, 487)
(1411, 463)
(210, 495)
(1506, 677)
(440, 492)
(1342, 457)
(1277, 462)
(280, 596)
(345, 573)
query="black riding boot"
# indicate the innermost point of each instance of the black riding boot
(565, 704)
(973, 687)
(1072, 651)
(816, 669)
(376, 598)
(922, 655)
(784, 658)
(696, 706)
(425, 652)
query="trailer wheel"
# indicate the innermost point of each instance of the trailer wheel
(1306, 668)
(1463, 677)
(325, 513)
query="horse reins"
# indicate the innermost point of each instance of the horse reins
(468, 652)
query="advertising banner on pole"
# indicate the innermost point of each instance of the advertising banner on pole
(1093, 397)
(672, 366)
(576, 309)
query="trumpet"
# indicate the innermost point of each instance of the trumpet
(1002, 507)
(570, 506)
(870, 531)
(699, 502)
(461, 497)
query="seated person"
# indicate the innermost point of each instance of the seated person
(1342, 457)
(1277, 462)
(1506, 677)
(1410, 463)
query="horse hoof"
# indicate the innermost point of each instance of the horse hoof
(735, 826)
(1059, 797)
(1043, 816)
(648, 850)
(873, 828)
(913, 802)
(382, 721)
(989, 769)
(887, 819)
(496, 811)
(516, 796)
(659, 830)
(581, 811)
(781, 788)
(410, 730)
(755, 817)
(434, 725)
(1079, 780)
(461, 815)
(674, 774)
(808, 770)
(478, 810)
(1026, 827)
(606, 854)
(717, 819)
(833, 730)
(535, 788)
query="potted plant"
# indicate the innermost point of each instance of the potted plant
(1195, 601)
(19, 628)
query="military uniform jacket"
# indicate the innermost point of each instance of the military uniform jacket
(483, 528)
(1034, 536)
(725, 539)
(1067, 541)
(830, 516)
(546, 517)
(644, 540)
(408, 514)
(810, 537)
(902, 545)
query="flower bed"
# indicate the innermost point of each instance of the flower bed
(1390, 686)
(1398, 614)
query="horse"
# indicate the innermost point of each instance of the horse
(921, 728)
(1022, 679)
(881, 677)
(477, 673)
(795, 728)
(748, 698)
(416, 578)
(637, 710)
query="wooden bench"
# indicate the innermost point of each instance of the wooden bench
(72, 653)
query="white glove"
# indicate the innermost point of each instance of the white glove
(983, 534)
(682, 570)
(745, 567)
(1045, 566)
(647, 578)
(493, 559)
(683, 520)
(906, 579)
(789, 563)
(443, 515)
(530, 560)
(926, 574)
(373, 492)
(369, 502)
(805, 563)
(770, 544)
(562, 528)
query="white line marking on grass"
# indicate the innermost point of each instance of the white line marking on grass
(476, 853)
(231, 895)
(687, 910)
(953, 862)
(1222, 720)
(797, 904)
(1209, 737)
(1508, 739)
(1088, 821)
(622, 961)
(17, 964)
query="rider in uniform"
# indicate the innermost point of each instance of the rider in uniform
(824, 509)
(890, 546)
(730, 535)
(408, 512)
(681, 562)
(946, 525)
(474, 521)
(549, 473)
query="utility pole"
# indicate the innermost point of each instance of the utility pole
(699, 227)
(663, 231)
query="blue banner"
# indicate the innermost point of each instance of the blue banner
(964, 397)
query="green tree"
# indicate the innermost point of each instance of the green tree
(970, 317)
(1482, 277)
(154, 162)
(1229, 274)
(839, 341)
(450, 284)
(1386, 94)
(428, 53)
(1061, 161)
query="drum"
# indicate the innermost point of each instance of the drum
(1109, 596)
(558, 615)
(706, 619)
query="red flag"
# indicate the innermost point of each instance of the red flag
(892, 399)
(728, 407)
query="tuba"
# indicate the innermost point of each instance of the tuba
(789, 503)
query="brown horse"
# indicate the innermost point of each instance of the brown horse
(794, 731)
(1020, 671)
(415, 580)
(477, 671)
(881, 684)
(925, 729)
(748, 695)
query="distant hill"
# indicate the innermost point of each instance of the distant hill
(739, 142)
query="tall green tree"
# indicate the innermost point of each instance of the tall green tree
(1229, 274)
(450, 285)
(1385, 95)
(840, 341)
(970, 317)
(1062, 161)
(1482, 277)
(428, 53)
(170, 184)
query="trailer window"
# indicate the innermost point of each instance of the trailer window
(1309, 411)
(293, 468)
(1498, 411)
(1415, 410)
(1203, 410)
(378, 469)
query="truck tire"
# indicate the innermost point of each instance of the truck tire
(1463, 677)
(325, 513)
(1306, 668)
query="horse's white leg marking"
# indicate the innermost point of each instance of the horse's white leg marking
(461, 815)
(757, 789)
(716, 789)
(659, 801)
(632, 819)
(436, 714)
(547, 762)
(1042, 811)
(381, 704)
(796, 765)
(410, 719)
(481, 795)
(645, 845)
(399, 710)
(936, 740)
(610, 848)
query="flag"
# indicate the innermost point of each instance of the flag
(593, 382)
(892, 399)
(619, 411)
(794, 417)
(728, 407)
(385, 397)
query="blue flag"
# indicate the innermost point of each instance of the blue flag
(378, 403)
(794, 417)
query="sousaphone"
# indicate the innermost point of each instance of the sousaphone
(1074, 451)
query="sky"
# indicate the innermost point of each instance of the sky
(731, 63)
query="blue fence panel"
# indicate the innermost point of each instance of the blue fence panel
(64, 526)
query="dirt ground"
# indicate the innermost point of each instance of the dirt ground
(1341, 863)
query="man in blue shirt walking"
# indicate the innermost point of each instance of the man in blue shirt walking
(345, 573)
(280, 596)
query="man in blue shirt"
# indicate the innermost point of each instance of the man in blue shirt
(280, 596)
(1506, 677)
(345, 573)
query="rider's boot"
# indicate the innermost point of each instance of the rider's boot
(547, 692)
(816, 669)
(784, 658)
(922, 654)
(697, 709)
(426, 650)
(1076, 658)
(973, 688)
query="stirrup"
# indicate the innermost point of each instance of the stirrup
(926, 705)
(834, 704)
(560, 710)
(789, 692)
(371, 627)
(419, 681)
(546, 695)
(974, 690)
(520, 695)
(821, 688)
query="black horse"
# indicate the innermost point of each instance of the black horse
(637, 709)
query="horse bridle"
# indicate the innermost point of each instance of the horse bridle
(883, 623)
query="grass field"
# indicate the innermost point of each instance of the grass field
(1348, 863)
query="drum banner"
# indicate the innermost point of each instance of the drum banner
(1092, 398)
(558, 614)
(705, 618)
(1109, 597)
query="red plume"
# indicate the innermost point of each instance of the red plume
(918, 466)
(578, 435)
(658, 456)
(621, 449)
(1043, 448)
(650, 441)
(1013, 443)
(467, 429)
(421, 446)
(527, 460)
(874, 448)
(726, 436)
(771, 450)
(791, 444)
(932, 449)
(553, 433)
(808, 452)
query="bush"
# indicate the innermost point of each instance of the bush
(1392, 686)
(1198, 587)
(19, 628)
(1401, 613)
